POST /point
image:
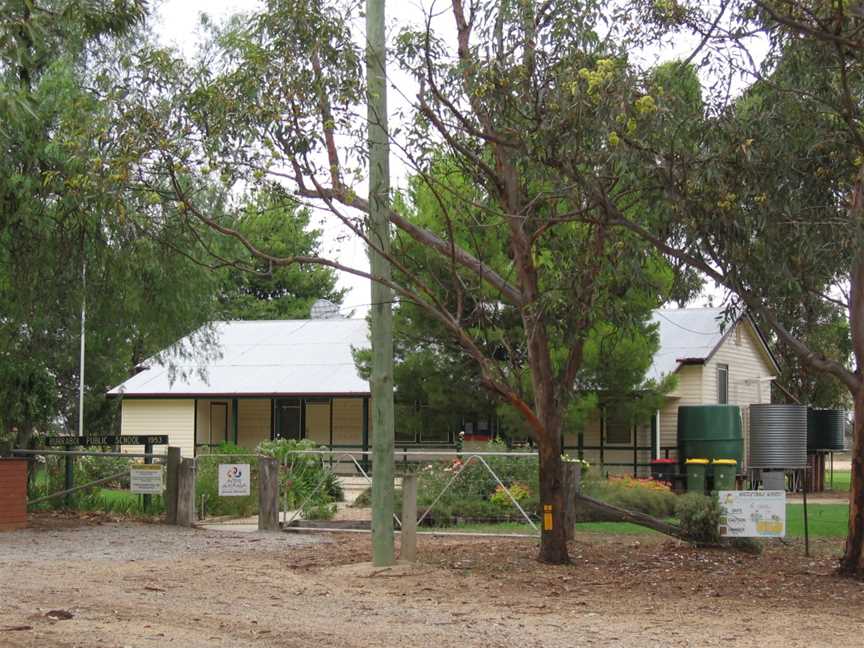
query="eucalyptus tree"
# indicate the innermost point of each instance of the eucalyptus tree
(519, 99)
(766, 197)
(64, 200)
(437, 384)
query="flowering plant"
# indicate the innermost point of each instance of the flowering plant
(568, 459)
(518, 491)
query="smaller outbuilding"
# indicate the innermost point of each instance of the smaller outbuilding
(716, 362)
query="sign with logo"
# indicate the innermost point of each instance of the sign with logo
(146, 479)
(127, 439)
(234, 480)
(752, 514)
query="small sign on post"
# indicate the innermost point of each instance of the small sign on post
(234, 480)
(146, 479)
(752, 514)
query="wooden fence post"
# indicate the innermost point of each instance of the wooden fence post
(171, 485)
(268, 494)
(408, 545)
(186, 493)
(572, 475)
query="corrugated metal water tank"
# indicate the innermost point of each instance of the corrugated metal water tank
(826, 429)
(778, 436)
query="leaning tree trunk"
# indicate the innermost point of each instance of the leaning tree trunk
(852, 563)
(553, 538)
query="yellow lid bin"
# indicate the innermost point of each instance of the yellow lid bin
(724, 474)
(696, 469)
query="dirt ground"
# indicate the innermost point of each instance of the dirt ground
(130, 584)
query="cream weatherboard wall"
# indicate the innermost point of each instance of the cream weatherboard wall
(172, 416)
(209, 431)
(749, 370)
(688, 391)
(348, 421)
(318, 422)
(253, 421)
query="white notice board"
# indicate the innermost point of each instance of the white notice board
(146, 479)
(234, 480)
(752, 514)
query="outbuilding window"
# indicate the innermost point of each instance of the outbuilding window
(723, 384)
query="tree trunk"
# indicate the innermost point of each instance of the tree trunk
(24, 435)
(852, 563)
(553, 538)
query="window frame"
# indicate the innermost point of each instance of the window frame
(607, 442)
(722, 384)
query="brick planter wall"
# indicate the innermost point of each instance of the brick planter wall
(13, 494)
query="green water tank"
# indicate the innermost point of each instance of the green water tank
(710, 432)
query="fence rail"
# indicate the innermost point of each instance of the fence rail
(69, 486)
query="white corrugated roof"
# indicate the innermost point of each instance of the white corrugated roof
(686, 333)
(259, 358)
(314, 356)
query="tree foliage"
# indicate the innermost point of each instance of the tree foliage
(767, 201)
(280, 292)
(524, 107)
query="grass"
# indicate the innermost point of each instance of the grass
(824, 521)
(842, 479)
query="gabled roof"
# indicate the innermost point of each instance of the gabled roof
(691, 336)
(314, 357)
(258, 358)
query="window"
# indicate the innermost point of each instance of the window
(723, 384)
(617, 430)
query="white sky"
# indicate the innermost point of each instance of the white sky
(177, 24)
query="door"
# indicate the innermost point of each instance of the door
(288, 418)
(218, 423)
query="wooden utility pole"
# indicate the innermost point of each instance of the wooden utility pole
(382, 296)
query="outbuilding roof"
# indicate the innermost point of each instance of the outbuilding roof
(257, 358)
(690, 336)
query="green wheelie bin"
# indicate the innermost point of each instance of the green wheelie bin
(724, 474)
(696, 469)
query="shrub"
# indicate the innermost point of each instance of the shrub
(364, 499)
(475, 494)
(518, 491)
(699, 517)
(638, 495)
(305, 481)
(110, 497)
(207, 483)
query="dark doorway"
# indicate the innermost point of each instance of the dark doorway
(289, 418)
(218, 424)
